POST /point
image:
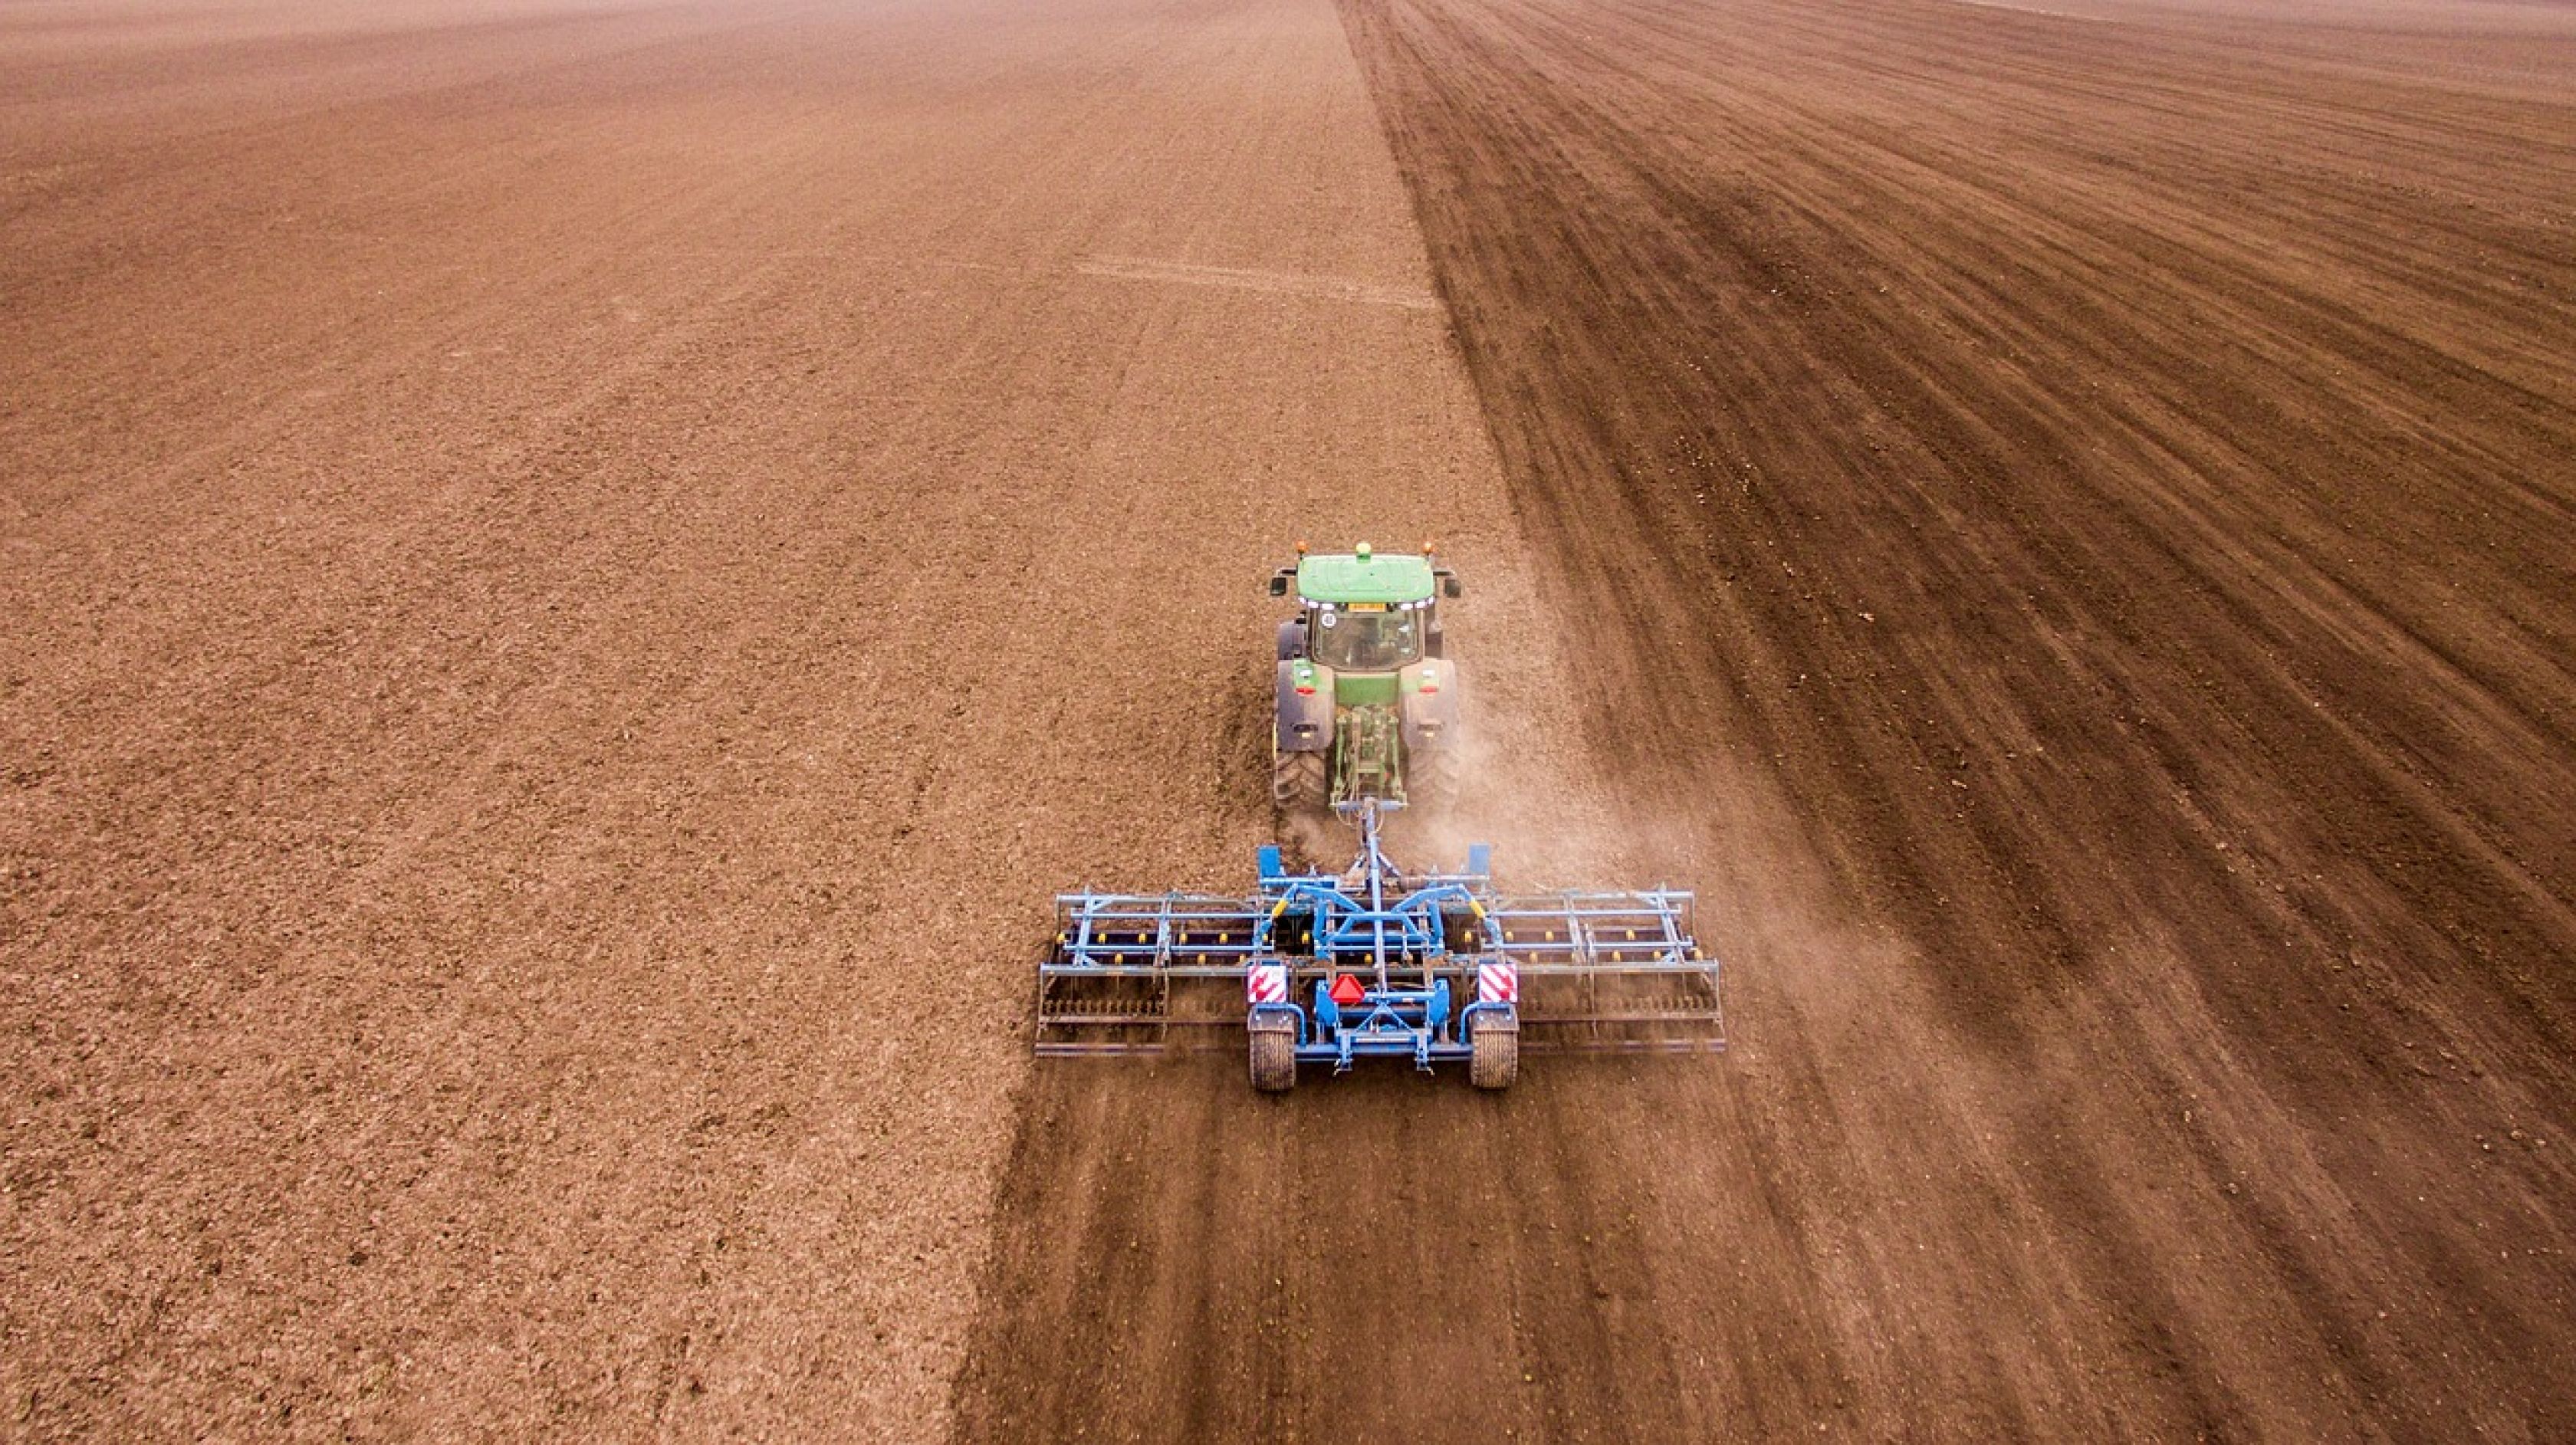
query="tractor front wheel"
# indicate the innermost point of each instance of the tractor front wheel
(1300, 782)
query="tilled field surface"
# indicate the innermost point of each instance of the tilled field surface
(2066, 530)
(574, 580)
(574, 576)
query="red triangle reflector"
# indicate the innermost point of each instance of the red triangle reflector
(1346, 990)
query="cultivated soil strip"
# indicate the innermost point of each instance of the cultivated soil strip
(2106, 487)
(2063, 530)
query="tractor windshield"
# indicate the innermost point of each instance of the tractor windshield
(1350, 641)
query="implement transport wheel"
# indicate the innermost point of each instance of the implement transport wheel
(1300, 782)
(1274, 1055)
(1494, 1051)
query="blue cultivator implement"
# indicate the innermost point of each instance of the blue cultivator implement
(1330, 968)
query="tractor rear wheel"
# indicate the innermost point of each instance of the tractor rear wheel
(1274, 1055)
(1300, 782)
(1494, 1051)
(1431, 777)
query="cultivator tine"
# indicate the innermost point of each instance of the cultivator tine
(1610, 972)
(1126, 971)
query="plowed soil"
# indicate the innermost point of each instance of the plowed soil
(2071, 533)
(574, 576)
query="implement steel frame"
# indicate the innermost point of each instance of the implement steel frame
(1418, 945)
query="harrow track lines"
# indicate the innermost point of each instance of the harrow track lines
(1219, 1268)
(2107, 485)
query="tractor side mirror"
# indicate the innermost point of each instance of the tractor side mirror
(1279, 585)
(1450, 586)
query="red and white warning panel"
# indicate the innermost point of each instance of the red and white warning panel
(1266, 983)
(1498, 982)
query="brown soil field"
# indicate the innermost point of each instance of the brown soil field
(574, 576)
(2071, 534)
(575, 580)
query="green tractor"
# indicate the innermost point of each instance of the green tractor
(1367, 703)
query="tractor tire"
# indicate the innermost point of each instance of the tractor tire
(1494, 1051)
(1301, 782)
(1432, 777)
(1274, 1056)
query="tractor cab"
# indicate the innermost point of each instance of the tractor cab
(1367, 700)
(1366, 636)
(1364, 612)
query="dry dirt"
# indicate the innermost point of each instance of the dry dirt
(2071, 533)
(573, 576)
(574, 582)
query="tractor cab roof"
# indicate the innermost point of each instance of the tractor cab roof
(1365, 576)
